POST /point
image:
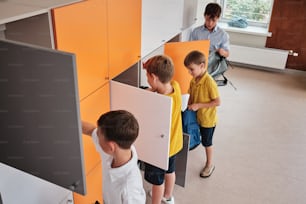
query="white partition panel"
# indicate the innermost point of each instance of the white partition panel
(19, 187)
(153, 112)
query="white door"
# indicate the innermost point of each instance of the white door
(153, 112)
(161, 21)
(189, 13)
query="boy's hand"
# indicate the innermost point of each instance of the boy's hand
(87, 128)
(193, 107)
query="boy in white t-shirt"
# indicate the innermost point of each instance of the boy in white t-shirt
(114, 138)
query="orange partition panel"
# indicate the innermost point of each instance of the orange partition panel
(91, 109)
(124, 34)
(94, 187)
(81, 28)
(178, 51)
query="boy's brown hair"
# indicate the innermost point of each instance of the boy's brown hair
(119, 126)
(212, 10)
(161, 66)
(194, 57)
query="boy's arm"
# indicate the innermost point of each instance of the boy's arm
(212, 103)
(87, 128)
(224, 49)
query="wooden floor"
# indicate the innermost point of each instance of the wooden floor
(259, 143)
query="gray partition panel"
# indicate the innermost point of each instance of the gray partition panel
(33, 30)
(39, 114)
(129, 76)
(181, 162)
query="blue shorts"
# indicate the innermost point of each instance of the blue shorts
(155, 175)
(207, 136)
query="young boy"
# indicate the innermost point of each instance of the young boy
(160, 71)
(116, 132)
(219, 39)
(204, 98)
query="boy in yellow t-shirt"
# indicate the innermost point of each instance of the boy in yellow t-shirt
(160, 70)
(204, 98)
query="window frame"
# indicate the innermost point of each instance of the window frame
(250, 23)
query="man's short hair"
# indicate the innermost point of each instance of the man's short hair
(213, 10)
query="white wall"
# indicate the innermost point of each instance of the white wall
(247, 39)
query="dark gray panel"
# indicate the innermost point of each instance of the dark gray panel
(39, 114)
(33, 30)
(181, 162)
(129, 76)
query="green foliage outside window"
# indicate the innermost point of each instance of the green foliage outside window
(252, 10)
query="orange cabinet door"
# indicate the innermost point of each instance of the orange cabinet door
(178, 51)
(91, 109)
(124, 34)
(94, 187)
(81, 28)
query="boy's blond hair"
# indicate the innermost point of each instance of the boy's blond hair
(161, 66)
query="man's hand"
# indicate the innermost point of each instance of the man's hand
(223, 52)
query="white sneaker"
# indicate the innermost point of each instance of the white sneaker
(164, 200)
(168, 201)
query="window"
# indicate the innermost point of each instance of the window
(256, 12)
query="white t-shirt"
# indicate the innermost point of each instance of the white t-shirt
(122, 185)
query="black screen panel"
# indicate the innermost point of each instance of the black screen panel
(39, 114)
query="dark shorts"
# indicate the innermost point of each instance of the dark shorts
(207, 136)
(155, 175)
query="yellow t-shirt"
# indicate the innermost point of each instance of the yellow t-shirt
(176, 135)
(204, 91)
